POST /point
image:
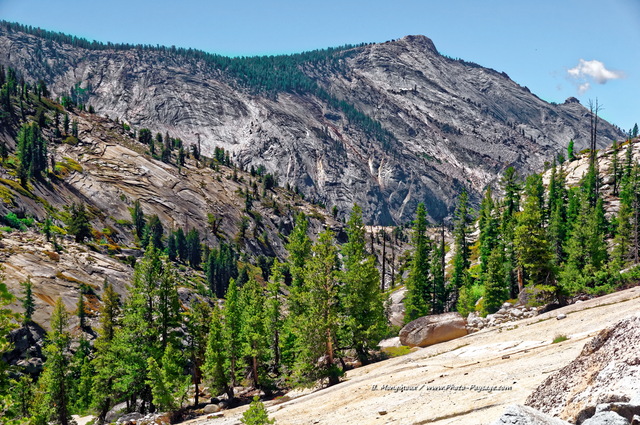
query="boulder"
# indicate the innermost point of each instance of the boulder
(524, 415)
(211, 408)
(606, 418)
(429, 330)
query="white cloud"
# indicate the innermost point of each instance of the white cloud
(582, 88)
(594, 70)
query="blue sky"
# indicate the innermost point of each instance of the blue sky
(557, 48)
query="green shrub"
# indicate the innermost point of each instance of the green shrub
(559, 338)
(256, 414)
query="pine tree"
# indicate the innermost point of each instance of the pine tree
(256, 414)
(253, 330)
(52, 403)
(419, 285)
(496, 287)
(28, 302)
(79, 225)
(570, 155)
(319, 316)
(360, 295)
(81, 311)
(460, 277)
(198, 324)
(137, 217)
(274, 314)
(299, 248)
(104, 364)
(7, 323)
(167, 382)
(194, 251)
(216, 368)
(232, 331)
(155, 231)
(530, 242)
(181, 245)
(172, 248)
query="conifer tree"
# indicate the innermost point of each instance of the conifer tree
(167, 382)
(172, 248)
(79, 225)
(274, 314)
(52, 399)
(360, 295)
(137, 217)
(81, 311)
(530, 242)
(105, 361)
(256, 414)
(420, 284)
(198, 325)
(496, 286)
(253, 330)
(299, 248)
(28, 302)
(232, 331)
(216, 368)
(460, 277)
(194, 251)
(155, 231)
(319, 317)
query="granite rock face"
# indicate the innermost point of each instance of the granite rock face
(457, 125)
(605, 377)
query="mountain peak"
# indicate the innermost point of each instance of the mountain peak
(420, 41)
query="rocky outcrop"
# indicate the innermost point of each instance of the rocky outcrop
(456, 124)
(523, 415)
(604, 378)
(429, 330)
(507, 313)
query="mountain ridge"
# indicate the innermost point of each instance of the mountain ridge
(389, 125)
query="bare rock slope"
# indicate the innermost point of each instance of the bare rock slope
(454, 124)
(469, 380)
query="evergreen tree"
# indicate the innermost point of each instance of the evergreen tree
(419, 285)
(81, 311)
(28, 302)
(65, 123)
(274, 314)
(172, 247)
(79, 225)
(256, 414)
(103, 393)
(155, 231)
(198, 324)
(460, 277)
(216, 368)
(319, 316)
(570, 155)
(7, 323)
(31, 152)
(253, 330)
(181, 245)
(496, 287)
(166, 380)
(52, 399)
(194, 252)
(360, 295)
(137, 217)
(488, 226)
(530, 242)
(299, 248)
(232, 331)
